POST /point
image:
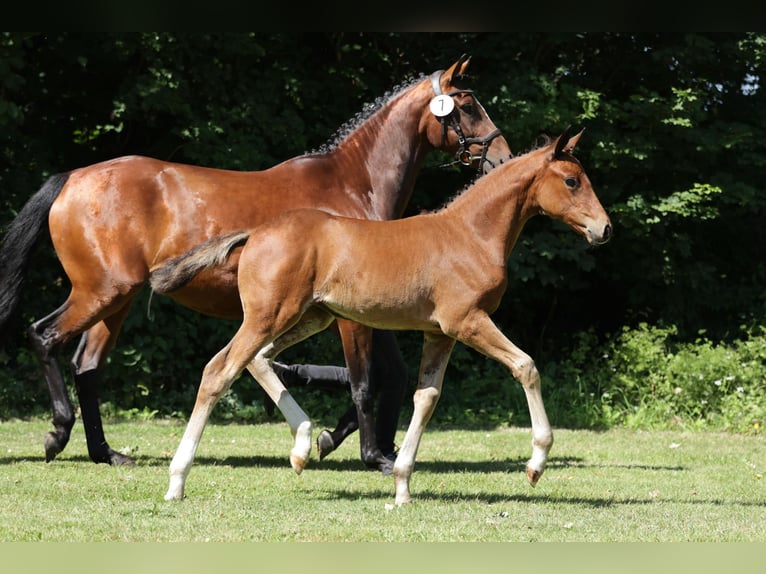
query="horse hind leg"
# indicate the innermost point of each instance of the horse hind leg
(46, 339)
(87, 362)
(80, 312)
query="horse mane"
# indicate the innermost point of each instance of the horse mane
(368, 110)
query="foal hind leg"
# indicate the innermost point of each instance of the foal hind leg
(86, 365)
(217, 378)
(437, 349)
(248, 348)
(313, 321)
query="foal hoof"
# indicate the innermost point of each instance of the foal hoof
(298, 463)
(325, 444)
(533, 475)
(53, 446)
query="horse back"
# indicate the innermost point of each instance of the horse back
(115, 220)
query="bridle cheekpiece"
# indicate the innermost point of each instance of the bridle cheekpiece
(452, 119)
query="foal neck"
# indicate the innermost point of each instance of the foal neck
(497, 205)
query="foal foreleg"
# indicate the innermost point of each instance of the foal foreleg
(481, 333)
(436, 352)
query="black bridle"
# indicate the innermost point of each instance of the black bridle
(452, 120)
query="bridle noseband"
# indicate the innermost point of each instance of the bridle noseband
(463, 154)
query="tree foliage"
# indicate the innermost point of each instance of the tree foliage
(675, 125)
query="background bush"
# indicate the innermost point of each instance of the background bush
(674, 138)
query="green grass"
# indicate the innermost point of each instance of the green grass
(619, 485)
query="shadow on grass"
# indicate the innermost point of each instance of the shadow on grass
(345, 465)
(508, 466)
(506, 497)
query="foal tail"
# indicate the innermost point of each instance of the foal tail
(178, 271)
(22, 236)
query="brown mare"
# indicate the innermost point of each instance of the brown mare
(442, 273)
(112, 222)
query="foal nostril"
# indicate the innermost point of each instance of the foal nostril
(607, 231)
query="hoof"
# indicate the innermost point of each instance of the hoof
(385, 464)
(174, 493)
(53, 446)
(298, 463)
(325, 444)
(533, 475)
(119, 459)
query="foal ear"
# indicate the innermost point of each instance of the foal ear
(566, 144)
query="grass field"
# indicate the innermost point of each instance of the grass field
(468, 486)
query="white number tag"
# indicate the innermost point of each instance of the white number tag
(442, 105)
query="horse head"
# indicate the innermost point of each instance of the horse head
(458, 123)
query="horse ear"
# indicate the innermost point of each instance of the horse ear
(458, 69)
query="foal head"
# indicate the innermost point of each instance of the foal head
(564, 192)
(457, 123)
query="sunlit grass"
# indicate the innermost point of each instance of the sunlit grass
(468, 486)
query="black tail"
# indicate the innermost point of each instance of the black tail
(16, 250)
(177, 272)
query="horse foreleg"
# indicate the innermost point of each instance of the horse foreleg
(328, 441)
(436, 352)
(357, 349)
(388, 378)
(485, 337)
(45, 339)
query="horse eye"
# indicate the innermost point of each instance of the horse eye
(468, 109)
(571, 182)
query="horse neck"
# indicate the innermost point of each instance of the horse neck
(387, 151)
(498, 205)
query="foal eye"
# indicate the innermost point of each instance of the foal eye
(571, 182)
